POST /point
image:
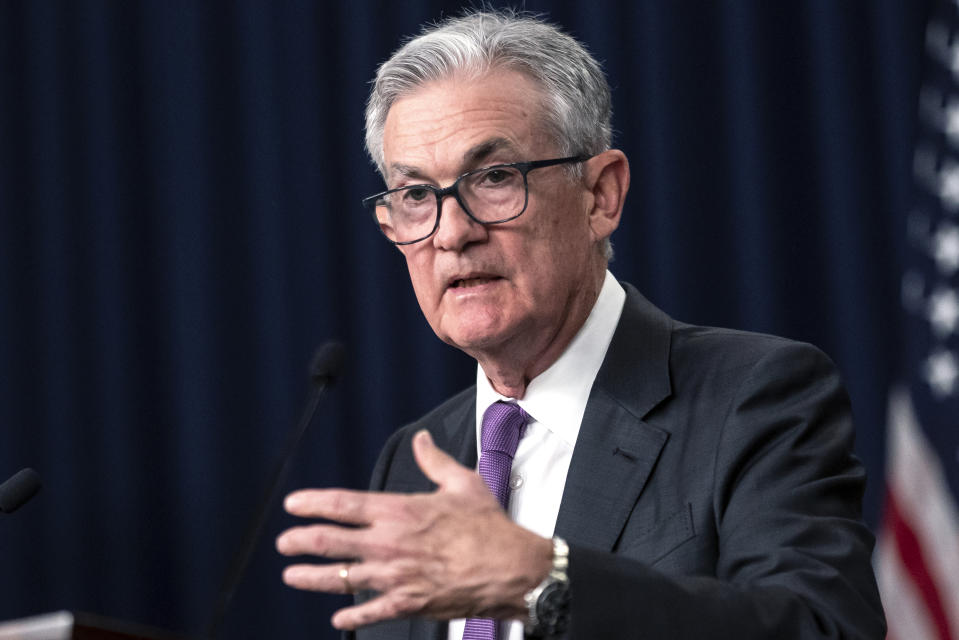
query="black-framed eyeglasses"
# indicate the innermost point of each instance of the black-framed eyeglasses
(490, 195)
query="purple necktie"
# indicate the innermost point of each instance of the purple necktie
(503, 426)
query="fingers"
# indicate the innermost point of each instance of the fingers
(328, 578)
(341, 505)
(436, 464)
(342, 577)
(314, 577)
(383, 607)
(363, 507)
(361, 615)
(328, 541)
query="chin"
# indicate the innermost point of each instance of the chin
(473, 339)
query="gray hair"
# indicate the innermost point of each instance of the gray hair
(576, 101)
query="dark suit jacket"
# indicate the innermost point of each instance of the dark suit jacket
(712, 491)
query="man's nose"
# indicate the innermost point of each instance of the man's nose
(457, 228)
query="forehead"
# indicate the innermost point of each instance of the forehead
(448, 125)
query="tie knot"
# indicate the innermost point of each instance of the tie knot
(503, 425)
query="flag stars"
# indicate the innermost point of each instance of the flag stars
(949, 186)
(945, 249)
(952, 121)
(943, 311)
(941, 371)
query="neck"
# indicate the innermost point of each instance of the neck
(511, 367)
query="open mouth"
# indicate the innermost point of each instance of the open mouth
(463, 283)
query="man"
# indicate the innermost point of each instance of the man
(696, 482)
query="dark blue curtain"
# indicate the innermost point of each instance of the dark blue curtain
(180, 227)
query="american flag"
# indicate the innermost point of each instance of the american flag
(917, 559)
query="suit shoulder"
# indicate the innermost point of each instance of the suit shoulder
(715, 349)
(648, 334)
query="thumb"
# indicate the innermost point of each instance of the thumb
(435, 463)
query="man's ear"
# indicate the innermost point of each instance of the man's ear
(607, 178)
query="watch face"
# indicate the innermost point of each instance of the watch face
(552, 608)
(554, 595)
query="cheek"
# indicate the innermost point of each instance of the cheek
(558, 245)
(421, 277)
(556, 266)
(562, 224)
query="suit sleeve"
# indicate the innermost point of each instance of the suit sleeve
(793, 557)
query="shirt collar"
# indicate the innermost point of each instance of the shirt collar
(557, 397)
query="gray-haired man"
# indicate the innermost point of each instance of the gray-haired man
(664, 480)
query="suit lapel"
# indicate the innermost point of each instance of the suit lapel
(458, 434)
(615, 448)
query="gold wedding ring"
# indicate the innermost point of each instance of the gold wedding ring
(345, 577)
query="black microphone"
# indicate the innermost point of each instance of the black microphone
(16, 491)
(324, 368)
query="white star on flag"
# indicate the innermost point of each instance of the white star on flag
(943, 311)
(917, 558)
(952, 121)
(941, 370)
(945, 248)
(954, 60)
(949, 185)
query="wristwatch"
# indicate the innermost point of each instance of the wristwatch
(548, 602)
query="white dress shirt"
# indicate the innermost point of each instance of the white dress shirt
(556, 401)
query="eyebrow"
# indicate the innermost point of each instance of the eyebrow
(476, 154)
(473, 157)
(406, 171)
